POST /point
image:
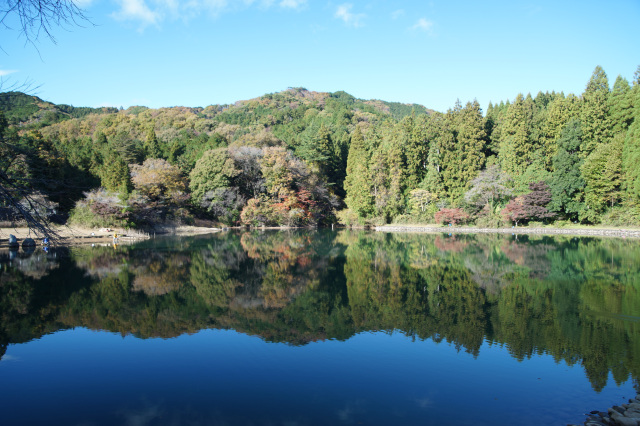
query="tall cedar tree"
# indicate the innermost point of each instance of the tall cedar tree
(631, 151)
(602, 172)
(559, 112)
(567, 184)
(594, 112)
(356, 184)
(466, 157)
(516, 147)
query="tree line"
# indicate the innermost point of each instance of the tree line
(302, 158)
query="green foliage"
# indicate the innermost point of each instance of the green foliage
(357, 184)
(516, 145)
(602, 172)
(594, 112)
(567, 184)
(114, 174)
(631, 153)
(214, 170)
(297, 147)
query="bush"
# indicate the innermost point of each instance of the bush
(349, 218)
(259, 213)
(562, 223)
(621, 216)
(82, 215)
(490, 221)
(452, 216)
(533, 224)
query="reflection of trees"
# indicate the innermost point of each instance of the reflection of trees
(576, 299)
(36, 264)
(439, 301)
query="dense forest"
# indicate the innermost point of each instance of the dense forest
(302, 158)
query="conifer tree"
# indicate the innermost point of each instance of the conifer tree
(594, 113)
(516, 147)
(114, 174)
(567, 184)
(442, 138)
(151, 145)
(631, 150)
(559, 112)
(602, 172)
(465, 157)
(415, 136)
(357, 184)
(621, 106)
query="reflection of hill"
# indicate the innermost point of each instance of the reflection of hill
(569, 298)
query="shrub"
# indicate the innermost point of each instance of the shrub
(490, 221)
(452, 216)
(348, 218)
(621, 216)
(100, 209)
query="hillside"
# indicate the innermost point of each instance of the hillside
(305, 158)
(20, 108)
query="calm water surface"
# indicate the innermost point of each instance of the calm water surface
(320, 328)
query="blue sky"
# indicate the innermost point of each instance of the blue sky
(162, 53)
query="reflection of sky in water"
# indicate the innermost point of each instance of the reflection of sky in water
(224, 377)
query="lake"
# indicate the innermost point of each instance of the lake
(320, 328)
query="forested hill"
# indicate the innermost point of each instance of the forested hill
(19, 107)
(299, 157)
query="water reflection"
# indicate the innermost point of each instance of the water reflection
(576, 299)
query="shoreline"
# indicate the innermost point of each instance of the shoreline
(77, 236)
(595, 232)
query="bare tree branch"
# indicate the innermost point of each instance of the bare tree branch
(39, 17)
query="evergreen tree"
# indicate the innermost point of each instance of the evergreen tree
(602, 172)
(559, 112)
(151, 145)
(114, 174)
(515, 143)
(357, 184)
(439, 139)
(415, 136)
(465, 157)
(594, 113)
(631, 150)
(621, 106)
(567, 184)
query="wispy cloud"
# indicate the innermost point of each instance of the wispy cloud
(397, 13)
(422, 25)
(136, 10)
(154, 12)
(351, 19)
(6, 72)
(293, 4)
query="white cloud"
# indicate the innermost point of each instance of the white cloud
(398, 13)
(293, 4)
(7, 72)
(352, 19)
(153, 12)
(136, 10)
(422, 25)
